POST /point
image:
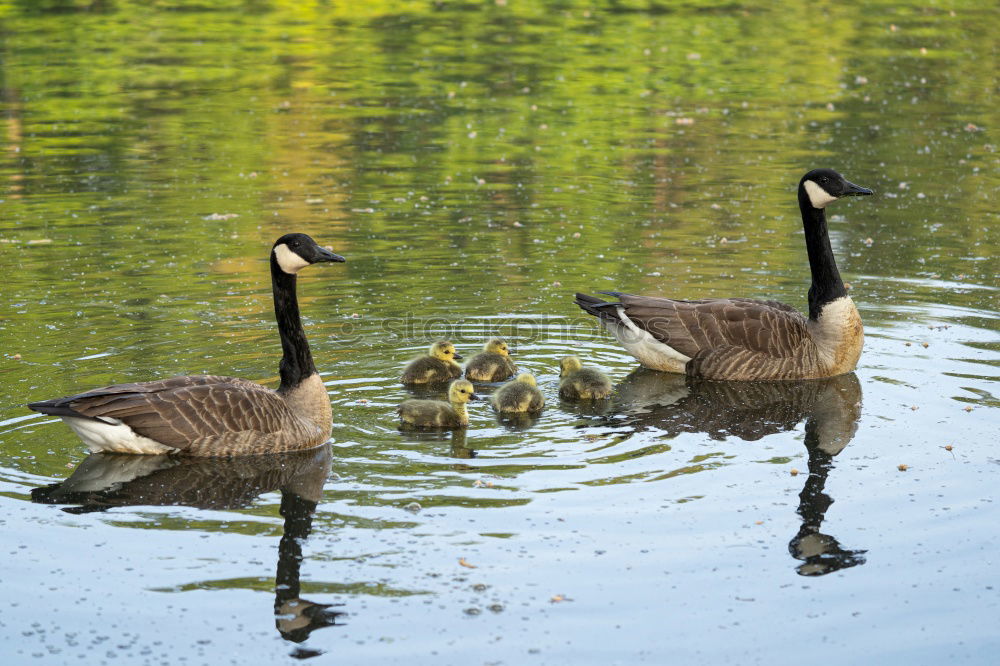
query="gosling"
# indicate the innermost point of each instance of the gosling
(437, 413)
(519, 396)
(493, 364)
(580, 383)
(437, 366)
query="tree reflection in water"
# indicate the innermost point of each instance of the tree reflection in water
(105, 480)
(750, 411)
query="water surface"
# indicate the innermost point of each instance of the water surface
(477, 164)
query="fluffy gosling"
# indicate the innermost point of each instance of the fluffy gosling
(580, 383)
(437, 366)
(437, 413)
(518, 396)
(493, 364)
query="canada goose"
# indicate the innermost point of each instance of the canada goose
(209, 415)
(493, 364)
(437, 366)
(437, 413)
(742, 338)
(520, 395)
(579, 383)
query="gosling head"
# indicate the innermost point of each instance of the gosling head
(497, 346)
(293, 252)
(526, 378)
(445, 351)
(569, 364)
(824, 186)
(461, 392)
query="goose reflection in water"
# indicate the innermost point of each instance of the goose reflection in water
(107, 480)
(752, 410)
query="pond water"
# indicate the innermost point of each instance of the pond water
(477, 163)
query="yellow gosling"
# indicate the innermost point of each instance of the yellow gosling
(518, 396)
(437, 366)
(437, 413)
(580, 383)
(493, 364)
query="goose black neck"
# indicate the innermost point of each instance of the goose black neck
(296, 359)
(826, 283)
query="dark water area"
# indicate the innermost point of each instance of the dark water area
(477, 163)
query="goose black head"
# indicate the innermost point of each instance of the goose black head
(293, 252)
(824, 186)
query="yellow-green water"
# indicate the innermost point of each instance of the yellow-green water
(477, 163)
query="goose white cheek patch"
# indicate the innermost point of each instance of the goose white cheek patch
(817, 195)
(289, 261)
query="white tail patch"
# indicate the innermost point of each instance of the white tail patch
(289, 261)
(819, 197)
(644, 347)
(114, 437)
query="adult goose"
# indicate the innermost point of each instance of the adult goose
(746, 339)
(209, 415)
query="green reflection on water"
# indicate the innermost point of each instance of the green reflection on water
(476, 164)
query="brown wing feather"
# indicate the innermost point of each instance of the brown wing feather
(698, 327)
(177, 413)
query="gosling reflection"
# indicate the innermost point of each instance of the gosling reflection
(106, 480)
(518, 421)
(751, 410)
(457, 438)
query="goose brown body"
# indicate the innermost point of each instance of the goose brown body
(203, 415)
(743, 339)
(747, 339)
(211, 415)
